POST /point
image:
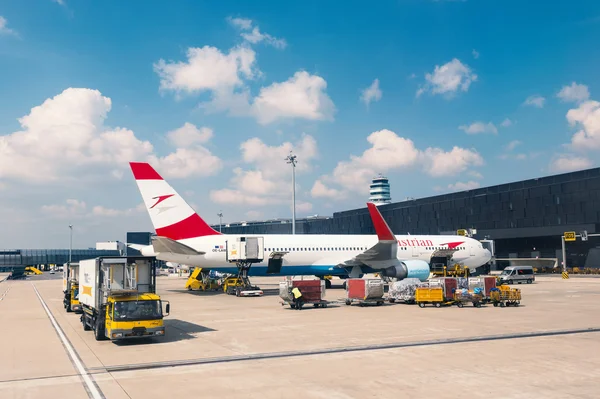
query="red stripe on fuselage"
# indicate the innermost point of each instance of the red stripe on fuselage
(143, 171)
(190, 227)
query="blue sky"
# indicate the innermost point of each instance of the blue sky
(463, 94)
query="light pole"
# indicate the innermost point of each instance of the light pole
(220, 215)
(70, 242)
(292, 160)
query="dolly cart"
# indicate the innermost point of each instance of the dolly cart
(433, 295)
(460, 298)
(313, 292)
(505, 296)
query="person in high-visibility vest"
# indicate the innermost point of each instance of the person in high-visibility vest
(297, 298)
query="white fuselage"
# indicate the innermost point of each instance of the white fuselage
(322, 253)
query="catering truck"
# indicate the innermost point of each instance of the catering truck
(118, 297)
(71, 287)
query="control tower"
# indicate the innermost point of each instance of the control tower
(380, 191)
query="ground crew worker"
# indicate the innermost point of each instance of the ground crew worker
(297, 298)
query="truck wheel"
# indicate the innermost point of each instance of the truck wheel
(348, 302)
(437, 304)
(99, 331)
(86, 327)
(459, 304)
(421, 304)
(529, 281)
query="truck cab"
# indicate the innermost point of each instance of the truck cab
(130, 316)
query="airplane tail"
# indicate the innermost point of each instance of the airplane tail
(171, 215)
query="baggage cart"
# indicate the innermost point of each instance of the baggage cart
(432, 295)
(505, 297)
(461, 297)
(403, 290)
(364, 291)
(313, 293)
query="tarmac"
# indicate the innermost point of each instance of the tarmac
(228, 347)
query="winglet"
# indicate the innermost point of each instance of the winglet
(384, 233)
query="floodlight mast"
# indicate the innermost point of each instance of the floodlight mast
(291, 159)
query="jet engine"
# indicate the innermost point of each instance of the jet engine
(413, 268)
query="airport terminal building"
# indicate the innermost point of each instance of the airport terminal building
(525, 219)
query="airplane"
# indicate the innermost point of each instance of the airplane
(183, 237)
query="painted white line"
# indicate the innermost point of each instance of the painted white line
(94, 393)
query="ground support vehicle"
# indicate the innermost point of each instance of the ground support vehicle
(460, 298)
(517, 274)
(240, 286)
(118, 297)
(506, 297)
(432, 295)
(313, 292)
(71, 287)
(200, 280)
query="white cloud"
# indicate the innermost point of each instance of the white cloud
(269, 180)
(475, 54)
(391, 152)
(574, 93)
(460, 186)
(506, 123)
(189, 134)
(479, 127)
(512, 145)
(224, 75)
(4, 29)
(303, 207)
(438, 163)
(570, 163)
(64, 139)
(448, 79)
(371, 93)
(320, 190)
(187, 162)
(61, 2)
(76, 209)
(207, 68)
(301, 96)
(586, 118)
(475, 174)
(535, 100)
(253, 34)
(241, 23)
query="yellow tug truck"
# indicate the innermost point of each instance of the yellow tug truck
(71, 287)
(118, 298)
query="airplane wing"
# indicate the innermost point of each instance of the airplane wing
(164, 244)
(384, 253)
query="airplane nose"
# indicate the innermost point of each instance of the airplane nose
(487, 254)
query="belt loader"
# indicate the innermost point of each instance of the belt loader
(118, 297)
(71, 287)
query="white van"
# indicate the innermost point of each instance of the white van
(517, 274)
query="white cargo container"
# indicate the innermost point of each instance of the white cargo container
(246, 249)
